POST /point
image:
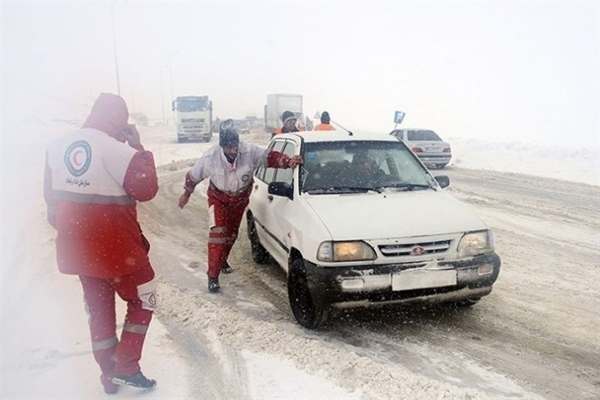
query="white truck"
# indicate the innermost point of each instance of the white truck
(276, 105)
(193, 118)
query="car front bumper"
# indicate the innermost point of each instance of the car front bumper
(194, 135)
(372, 284)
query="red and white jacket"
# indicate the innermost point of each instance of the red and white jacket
(91, 186)
(232, 178)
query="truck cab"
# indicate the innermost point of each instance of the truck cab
(193, 118)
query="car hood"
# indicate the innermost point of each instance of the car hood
(372, 216)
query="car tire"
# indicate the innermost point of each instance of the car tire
(308, 311)
(260, 255)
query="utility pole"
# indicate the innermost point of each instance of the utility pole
(162, 96)
(112, 13)
(169, 67)
(171, 79)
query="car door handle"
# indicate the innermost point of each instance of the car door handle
(270, 197)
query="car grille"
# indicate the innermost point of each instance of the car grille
(406, 249)
(184, 120)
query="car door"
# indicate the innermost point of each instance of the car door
(280, 211)
(260, 203)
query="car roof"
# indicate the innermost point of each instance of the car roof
(336, 136)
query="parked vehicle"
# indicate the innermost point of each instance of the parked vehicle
(242, 126)
(193, 118)
(427, 145)
(276, 105)
(364, 223)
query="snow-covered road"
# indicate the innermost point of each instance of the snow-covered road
(535, 336)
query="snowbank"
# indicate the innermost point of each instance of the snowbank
(568, 163)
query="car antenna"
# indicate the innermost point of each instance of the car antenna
(350, 133)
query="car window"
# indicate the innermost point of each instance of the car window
(270, 172)
(260, 170)
(360, 164)
(423, 135)
(286, 174)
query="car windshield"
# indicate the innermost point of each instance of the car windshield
(423, 136)
(191, 105)
(360, 166)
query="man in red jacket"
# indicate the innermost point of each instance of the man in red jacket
(229, 167)
(93, 179)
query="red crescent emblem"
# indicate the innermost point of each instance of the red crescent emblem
(76, 158)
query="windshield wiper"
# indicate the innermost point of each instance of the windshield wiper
(343, 189)
(407, 186)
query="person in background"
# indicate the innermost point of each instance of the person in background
(229, 166)
(292, 124)
(285, 115)
(325, 124)
(93, 180)
(308, 124)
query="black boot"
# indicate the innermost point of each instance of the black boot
(227, 269)
(137, 380)
(213, 285)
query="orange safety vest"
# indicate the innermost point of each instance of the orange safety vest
(324, 127)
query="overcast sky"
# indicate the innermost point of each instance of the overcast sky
(501, 70)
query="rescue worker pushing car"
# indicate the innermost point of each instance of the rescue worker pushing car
(229, 166)
(92, 181)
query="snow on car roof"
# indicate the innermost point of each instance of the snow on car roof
(337, 136)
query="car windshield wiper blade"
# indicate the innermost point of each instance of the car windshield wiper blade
(407, 186)
(342, 189)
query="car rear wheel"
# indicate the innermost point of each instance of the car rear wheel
(308, 311)
(259, 254)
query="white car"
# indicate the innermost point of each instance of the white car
(363, 222)
(427, 145)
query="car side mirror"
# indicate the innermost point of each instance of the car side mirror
(443, 181)
(281, 189)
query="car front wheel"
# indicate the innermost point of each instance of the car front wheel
(308, 311)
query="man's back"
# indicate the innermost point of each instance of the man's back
(92, 182)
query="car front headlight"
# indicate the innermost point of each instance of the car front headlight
(345, 251)
(475, 243)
